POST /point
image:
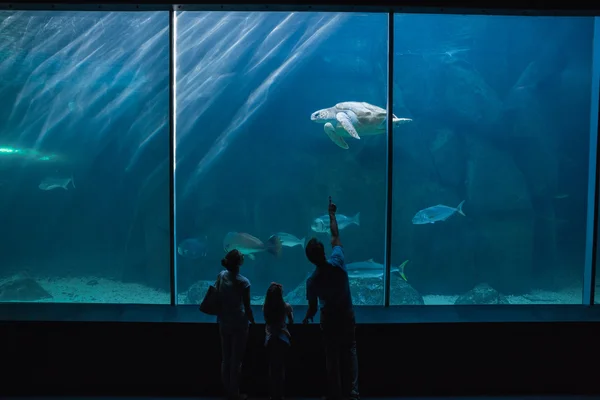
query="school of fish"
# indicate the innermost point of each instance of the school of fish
(250, 246)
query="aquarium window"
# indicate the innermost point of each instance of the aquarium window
(491, 178)
(83, 160)
(460, 150)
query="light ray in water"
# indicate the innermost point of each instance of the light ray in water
(258, 97)
(78, 78)
(216, 55)
(280, 34)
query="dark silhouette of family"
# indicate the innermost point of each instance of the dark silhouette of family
(328, 286)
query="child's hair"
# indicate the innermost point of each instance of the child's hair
(274, 308)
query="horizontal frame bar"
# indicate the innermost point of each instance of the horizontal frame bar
(409, 314)
(523, 8)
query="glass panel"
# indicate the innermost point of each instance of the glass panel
(250, 162)
(83, 157)
(497, 157)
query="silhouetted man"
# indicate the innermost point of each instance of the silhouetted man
(329, 286)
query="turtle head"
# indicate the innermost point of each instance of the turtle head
(323, 116)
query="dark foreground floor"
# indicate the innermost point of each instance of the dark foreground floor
(378, 398)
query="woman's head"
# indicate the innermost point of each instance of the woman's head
(274, 307)
(233, 260)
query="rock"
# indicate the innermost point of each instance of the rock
(402, 293)
(501, 208)
(447, 88)
(506, 256)
(23, 289)
(367, 292)
(540, 156)
(197, 291)
(494, 183)
(482, 294)
(448, 153)
(467, 96)
(148, 238)
(297, 297)
(533, 138)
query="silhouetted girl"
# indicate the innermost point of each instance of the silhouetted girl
(277, 338)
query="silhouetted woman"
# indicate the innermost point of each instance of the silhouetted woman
(234, 317)
(277, 338)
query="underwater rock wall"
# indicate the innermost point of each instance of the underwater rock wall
(501, 155)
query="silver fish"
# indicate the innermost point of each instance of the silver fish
(322, 224)
(437, 213)
(248, 244)
(372, 269)
(290, 240)
(55, 183)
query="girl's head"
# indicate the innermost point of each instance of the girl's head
(233, 260)
(275, 290)
(274, 307)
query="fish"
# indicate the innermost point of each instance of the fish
(289, 240)
(372, 269)
(561, 196)
(55, 183)
(322, 224)
(436, 213)
(248, 244)
(193, 248)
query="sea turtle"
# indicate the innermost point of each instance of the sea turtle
(353, 118)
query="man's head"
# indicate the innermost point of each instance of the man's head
(315, 252)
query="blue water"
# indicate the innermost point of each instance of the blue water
(500, 110)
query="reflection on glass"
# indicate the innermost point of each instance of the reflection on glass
(276, 112)
(490, 181)
(84, 157)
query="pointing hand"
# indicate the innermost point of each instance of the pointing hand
(332, 207)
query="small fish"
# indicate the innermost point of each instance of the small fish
(248, 244)
(290, 240)
(193, 248)
(436, 213)
(372, 269)
(322, 224)
(55, 183)
(561, 196)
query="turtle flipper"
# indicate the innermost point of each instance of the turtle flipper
(334, 136)
(400, 121)
(346, 123)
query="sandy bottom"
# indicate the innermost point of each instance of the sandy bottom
(98, 290)
(566, 296)
(101, 290)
